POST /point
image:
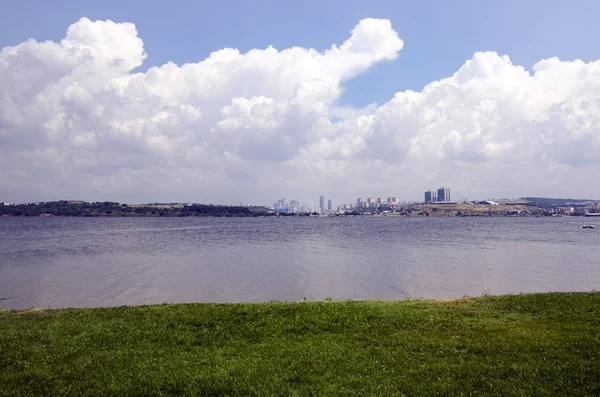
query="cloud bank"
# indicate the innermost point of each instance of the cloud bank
(77, 121)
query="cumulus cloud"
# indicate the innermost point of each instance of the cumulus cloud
(76, 120)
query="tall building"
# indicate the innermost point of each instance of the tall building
(295, 206)
(430, 196)
(280, 203)
(443, 194)
(329, 205)
(322, 203)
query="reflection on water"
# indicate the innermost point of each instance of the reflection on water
(61, 262)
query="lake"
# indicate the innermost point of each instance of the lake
(74, 262)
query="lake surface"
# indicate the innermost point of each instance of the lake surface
(64, 262)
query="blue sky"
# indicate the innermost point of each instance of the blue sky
(439, 35)
(88, 119)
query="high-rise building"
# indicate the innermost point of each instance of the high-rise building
(280, 203)
(294, 206)
(443, 194)
(329, 205)
(430, 196)
(322, 203)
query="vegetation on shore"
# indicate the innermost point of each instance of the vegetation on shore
(537, 344)
(64, 208)
(477, 209)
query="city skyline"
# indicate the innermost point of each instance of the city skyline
(316, 204)
(293, 205)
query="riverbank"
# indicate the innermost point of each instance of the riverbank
(495, 345)
(112, 209)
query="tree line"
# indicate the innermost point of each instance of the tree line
(108, 208)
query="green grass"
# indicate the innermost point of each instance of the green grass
(539, 344)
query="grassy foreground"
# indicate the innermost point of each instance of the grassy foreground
(535, 344)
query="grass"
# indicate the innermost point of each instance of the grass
(537, 344)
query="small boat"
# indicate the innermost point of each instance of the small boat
(589, 226)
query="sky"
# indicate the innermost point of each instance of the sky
(232, 101)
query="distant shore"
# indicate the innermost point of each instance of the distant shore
(531, 344)
(113, 209)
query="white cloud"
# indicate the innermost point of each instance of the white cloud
(75, 120)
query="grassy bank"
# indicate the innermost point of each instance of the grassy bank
(508, 345)
(475, 209)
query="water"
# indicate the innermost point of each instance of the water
(64, 262)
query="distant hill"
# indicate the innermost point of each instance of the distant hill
(551, 202)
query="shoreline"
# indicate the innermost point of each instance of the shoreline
(365, 215)
(463, 299)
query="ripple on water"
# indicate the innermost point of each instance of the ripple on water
(115, 261)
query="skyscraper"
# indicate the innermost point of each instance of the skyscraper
(329, 205)
(430, 196)
(443, 194)
(322, 203)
